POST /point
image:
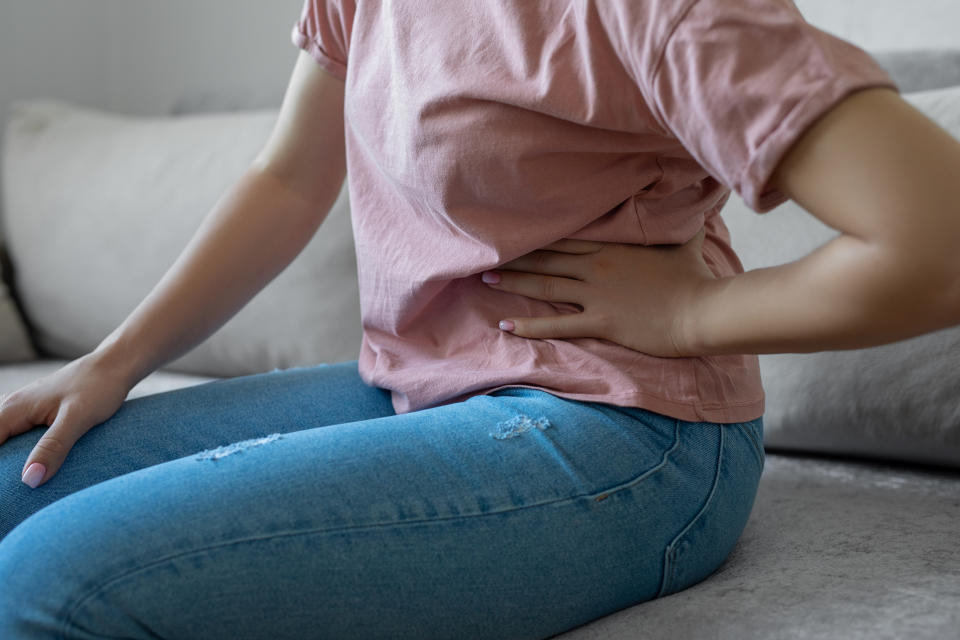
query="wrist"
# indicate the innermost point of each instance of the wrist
(119, 359)
(690, 340)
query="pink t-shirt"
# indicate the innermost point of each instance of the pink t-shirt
(480, 130)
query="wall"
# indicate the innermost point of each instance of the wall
(145, 56)
(886, 25)
(142, 56)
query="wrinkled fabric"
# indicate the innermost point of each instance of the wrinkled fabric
(481, 130)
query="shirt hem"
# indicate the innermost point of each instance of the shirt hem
(734, 412)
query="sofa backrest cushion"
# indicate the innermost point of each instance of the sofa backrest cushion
(100, 205)
(896, 401)
(14, 342)
(922, 70)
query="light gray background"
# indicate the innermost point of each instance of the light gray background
(139, 56)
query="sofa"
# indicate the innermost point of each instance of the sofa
(854, 531)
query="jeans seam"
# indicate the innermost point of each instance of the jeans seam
(597, 496)
(757, 446)
(673, 549)
(603, 495)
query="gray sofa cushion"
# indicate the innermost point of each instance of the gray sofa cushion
(896, 401)
(922, 70)
(17, 376)
(100, 205)
(14, 342)
(833, 549)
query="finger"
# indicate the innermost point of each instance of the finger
(549, 263)
(14, 417)
(572, 325)
(540, 287)
(574, 246)
(51, 450)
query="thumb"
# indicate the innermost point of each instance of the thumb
(51, 450)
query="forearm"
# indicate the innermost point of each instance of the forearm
(253, 232)
(847, 294)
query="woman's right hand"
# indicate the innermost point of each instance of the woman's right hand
(72, 400)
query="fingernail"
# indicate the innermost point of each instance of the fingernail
(490, 277)
(506, 325)
(34, 474)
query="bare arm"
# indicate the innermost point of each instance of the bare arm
(254, 231)
(888, 179)
(873, 167)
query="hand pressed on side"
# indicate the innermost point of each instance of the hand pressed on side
(637, 296)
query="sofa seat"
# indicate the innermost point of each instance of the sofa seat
(834, 548)
(15, 376)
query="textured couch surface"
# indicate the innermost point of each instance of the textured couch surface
(833, 549)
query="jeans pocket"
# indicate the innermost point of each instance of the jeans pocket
(753, 434)
(706, 541)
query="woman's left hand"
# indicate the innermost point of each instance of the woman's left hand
(637, 296)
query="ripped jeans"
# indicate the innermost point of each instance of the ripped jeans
(296, 504)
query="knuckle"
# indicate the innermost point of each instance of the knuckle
(52, 445)
(554, 327)
(10, 399)
(540, 260)
(74, 406)
(535, 329)
(549, 288)
(602, 266)
(603, 323)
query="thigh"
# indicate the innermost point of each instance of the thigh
(515, 515)
(154, 429)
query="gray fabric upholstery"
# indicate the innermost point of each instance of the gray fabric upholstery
(833, 549)
(922, 70)
(113, 200)
(13, 377)
(15, 343)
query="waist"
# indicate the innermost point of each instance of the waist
(472, 357)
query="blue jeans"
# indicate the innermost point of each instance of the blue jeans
(513, 515)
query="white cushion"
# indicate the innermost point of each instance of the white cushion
(99, 205)
(896, 401)
(14, 344)
(17, 376)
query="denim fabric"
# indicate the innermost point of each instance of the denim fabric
(513, 515)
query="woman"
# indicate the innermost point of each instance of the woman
(552, 417)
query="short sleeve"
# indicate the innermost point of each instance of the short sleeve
(739, 81)
(323, 31)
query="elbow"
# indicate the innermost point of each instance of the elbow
(926, 279)
(948, 295)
